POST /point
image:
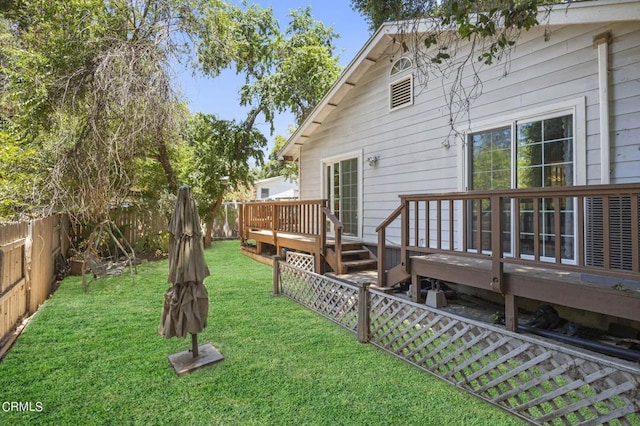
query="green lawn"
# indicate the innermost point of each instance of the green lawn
(97, 358)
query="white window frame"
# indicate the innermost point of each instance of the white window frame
(576, 107)
(324, 162)
(403, 59)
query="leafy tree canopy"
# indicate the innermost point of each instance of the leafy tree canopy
(276, 167)
(221, 151)
(87, 91)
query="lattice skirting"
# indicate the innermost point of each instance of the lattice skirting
(301, 260)
(532, 378)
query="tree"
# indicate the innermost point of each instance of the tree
(283, 71)
(275, 167)
(88, 86)
(288, 71)
(221, 151)
(455, 39)
(377, 12)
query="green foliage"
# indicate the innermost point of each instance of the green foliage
(98, 356)
(274, 167)
(86, 84)
(221, 151)
(283, 71)
(377, 12)
(18, 176)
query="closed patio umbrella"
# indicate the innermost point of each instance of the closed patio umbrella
(186, 302)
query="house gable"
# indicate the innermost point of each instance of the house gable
(414, 145)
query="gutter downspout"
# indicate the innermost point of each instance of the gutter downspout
(601, 42)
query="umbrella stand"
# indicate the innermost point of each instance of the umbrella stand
(194, 345)
(197, 357)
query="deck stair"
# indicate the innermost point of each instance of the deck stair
(354, 256)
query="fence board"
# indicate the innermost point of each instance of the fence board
(13, 285)
(13, 306)
(27, 266)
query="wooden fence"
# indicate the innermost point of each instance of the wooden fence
(27, 266)
(534, 379)
(142, 228)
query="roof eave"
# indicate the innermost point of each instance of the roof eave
(581, 12)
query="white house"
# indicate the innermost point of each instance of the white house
(572, 88)
(277, 188)
(540, 169)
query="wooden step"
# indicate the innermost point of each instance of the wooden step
(346, 246)
(360, 263)
(358, 252)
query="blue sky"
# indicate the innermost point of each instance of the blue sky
(219, 96)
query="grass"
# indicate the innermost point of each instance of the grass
(97, 358)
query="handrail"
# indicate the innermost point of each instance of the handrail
(336, 222)
(382, 243)
(393, 216)
(548, 192)
(337, 230)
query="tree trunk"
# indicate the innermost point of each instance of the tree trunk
(163, 158)
(208, 235)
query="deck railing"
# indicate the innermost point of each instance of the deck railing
(581, 228)
(305, 218)
(593, 231)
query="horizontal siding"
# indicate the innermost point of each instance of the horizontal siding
(409, 141)
(625, 106)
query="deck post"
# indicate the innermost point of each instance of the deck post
(404, 234)
(382, 257)
(511, 312)
(243, 240)
(276, 275)
(322, 217)
(415, 288)
(363, 311)
(497, 267)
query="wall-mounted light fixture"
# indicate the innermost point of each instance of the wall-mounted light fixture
(373, 161)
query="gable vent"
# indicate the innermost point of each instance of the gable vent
(401, 93)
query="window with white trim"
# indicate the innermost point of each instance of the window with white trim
(532, 153)
(401, 65)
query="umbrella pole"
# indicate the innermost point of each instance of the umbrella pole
(194, 345)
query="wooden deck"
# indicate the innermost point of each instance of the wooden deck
(574, 247)
(301, 226)
(452, 237)
(566, 288)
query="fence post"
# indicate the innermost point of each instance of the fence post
(363, 311)
(276, 275)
